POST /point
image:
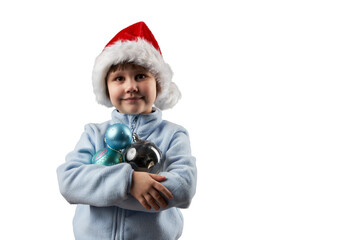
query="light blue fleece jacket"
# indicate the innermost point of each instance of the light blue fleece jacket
(105, 208)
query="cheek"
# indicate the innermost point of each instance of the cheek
(114, 91)
(152, 90)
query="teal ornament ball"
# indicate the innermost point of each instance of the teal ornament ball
(107, 157)
(118, 136)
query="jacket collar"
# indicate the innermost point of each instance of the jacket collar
(142, 124)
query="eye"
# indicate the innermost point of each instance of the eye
(130, 155)
(119, 79)
(140, 77)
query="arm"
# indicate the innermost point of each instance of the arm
(180, 178)
(180, 171)
(83, 183)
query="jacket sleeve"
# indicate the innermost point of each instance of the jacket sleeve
(81, 182)
(180, 172)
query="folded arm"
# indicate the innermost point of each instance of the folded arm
(81, 182)
(179, 170)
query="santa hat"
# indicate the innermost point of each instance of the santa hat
(135, 44)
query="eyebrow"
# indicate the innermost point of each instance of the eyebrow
(133, 69)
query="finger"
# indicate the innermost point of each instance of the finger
(158, 198)
(161, 188)
(151, 201)
(144, 203)
(157, 177)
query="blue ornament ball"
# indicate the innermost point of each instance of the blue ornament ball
(118, 136)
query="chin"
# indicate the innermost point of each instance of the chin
(132, 111)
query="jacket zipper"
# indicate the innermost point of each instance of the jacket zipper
(119, 224)
(136, 137)
(133, 123)
(122, 223)
(115, 234)
(120, 213)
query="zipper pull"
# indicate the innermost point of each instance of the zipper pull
(135, 138)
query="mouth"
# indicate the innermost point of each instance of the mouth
(132, 99)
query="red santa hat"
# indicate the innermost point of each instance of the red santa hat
(136, 44)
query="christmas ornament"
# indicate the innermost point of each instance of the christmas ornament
(117, 137)
(142, 155)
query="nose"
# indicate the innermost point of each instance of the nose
(131, 86)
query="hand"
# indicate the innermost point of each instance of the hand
(146, 188)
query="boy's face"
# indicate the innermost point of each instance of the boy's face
(132, 89)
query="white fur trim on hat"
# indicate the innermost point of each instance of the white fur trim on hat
(141, 53)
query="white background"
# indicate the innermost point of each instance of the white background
(270, 98)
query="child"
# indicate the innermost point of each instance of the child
(116, 202)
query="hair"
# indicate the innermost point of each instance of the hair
(123, 66)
